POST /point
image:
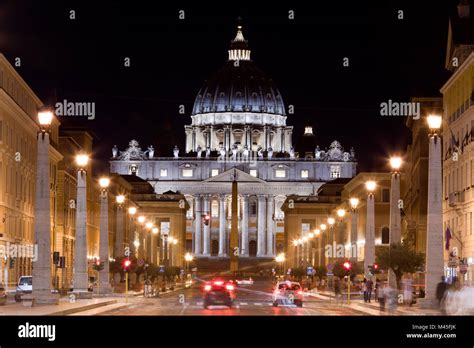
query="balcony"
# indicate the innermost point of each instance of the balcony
(456, 198)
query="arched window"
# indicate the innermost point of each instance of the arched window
(385, 235)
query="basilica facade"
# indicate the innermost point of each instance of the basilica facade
(238, 132)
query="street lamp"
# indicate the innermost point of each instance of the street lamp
(81, 277)
(188, 258)
(149, 225)
(132, 210)
(341, 213)
(103, 284)
(154, 230)
(395, 203)
(369, 245)
(42, 227)
(280, 259)
(434, 232)
(120, 199)
(141, 219)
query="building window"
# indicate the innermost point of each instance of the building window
(163, 172)
(304, 174)
(253, 172)
(335, 172)
(215, 209)
(385, 235)
(385, 195)
(187, 173)
(214, 172)
(280, 173)
(133, 169)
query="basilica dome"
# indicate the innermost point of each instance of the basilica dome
(239, 86)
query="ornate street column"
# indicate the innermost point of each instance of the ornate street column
(206, 229)
(353, 236)
(104, 285)
(395, 217)
(369, 247)
(119, 232)
(197, 225)
(434, 236)
(222, 229)
(81, 278)
(42, 268)
(261, 226)
(245, 226)
(270, 226)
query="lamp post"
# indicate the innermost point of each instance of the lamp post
(280, 259)
(188, 258)
(434, 235)
(148, 252)
(395, 217)
(119, 229)
(340, 232)
(42, 268)
(317, 233)
(322, 256)
(154, 237)
(354, 202)
(295, 252)
(141, 220)
(104, 285)
(132, 211)
(369, 246)
(331, 221)
(81, 276)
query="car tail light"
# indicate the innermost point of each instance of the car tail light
(207, 288)
(219, 282)
(229, 287)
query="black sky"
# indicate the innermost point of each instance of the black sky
(82, 60)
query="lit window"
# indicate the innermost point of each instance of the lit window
(304, 174)
(214, 172)
(280, 173)
(253, 172)
(335, 172)
(187, 173)
(163, 172)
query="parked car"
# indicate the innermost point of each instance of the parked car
(248, 281)
(24, 286)
(3, 295)
(287, 293)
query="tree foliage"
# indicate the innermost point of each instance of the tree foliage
(401, 259)
(339, 270)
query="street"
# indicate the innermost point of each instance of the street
(251, 300)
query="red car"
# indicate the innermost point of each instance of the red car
(218, 292)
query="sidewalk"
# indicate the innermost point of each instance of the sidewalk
(372, 308)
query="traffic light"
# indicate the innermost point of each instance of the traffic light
(205, 219)
(373, 269)
(126, 265)
(347, 266)
(98, 265)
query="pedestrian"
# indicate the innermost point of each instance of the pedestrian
(337, 287)
(381, 296)
(370, 286)
(377, 289)
(364, 289)
(390, 295)
(441, 290)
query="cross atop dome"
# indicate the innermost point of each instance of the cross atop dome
(238, 47)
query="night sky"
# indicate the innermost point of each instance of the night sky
(82, 60)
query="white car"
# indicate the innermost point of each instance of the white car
(245, 281)
(287, 293)
(24, 286)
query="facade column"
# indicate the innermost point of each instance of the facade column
(193, 137)
(395, 217)
(81, 277)
(434, 237)
(206, 229)
(282, 139)
(154, 248)
(222, 229)
(265, 144)
(197, 225)
(261, 226)
(42, 269)
(231, 138)
(270, 227)
(369, 247)
(245, 226)
(250, 128)
(211, 135)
